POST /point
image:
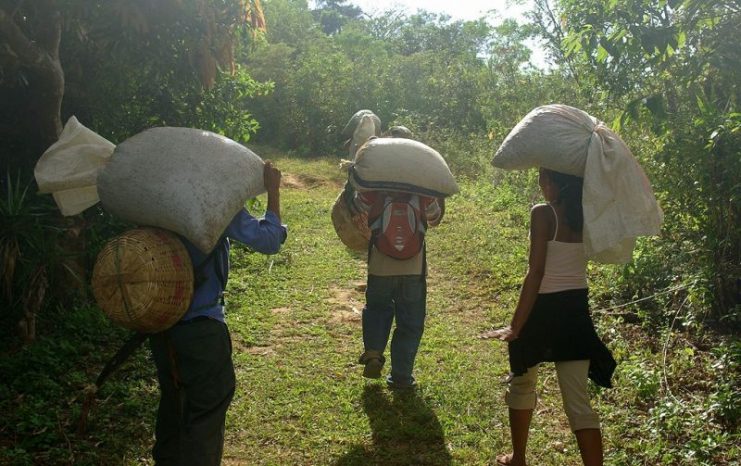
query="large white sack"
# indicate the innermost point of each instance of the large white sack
(185, 180)
(69, 167)
(396, 164)
(618, 202)
(365, 129)
(617, 199)
(552, 136)
(352, 123)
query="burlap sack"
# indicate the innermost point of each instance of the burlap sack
(617, 199)
(396, 164)
(185, 180)
(552, 136)
(352, 124)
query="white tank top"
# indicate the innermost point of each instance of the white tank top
(565, 265)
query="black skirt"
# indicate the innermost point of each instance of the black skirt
(560, 328)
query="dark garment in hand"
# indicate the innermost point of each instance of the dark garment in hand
(560, 328)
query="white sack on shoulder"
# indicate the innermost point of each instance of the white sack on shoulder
(185, 180)
(617, 199)
(69, 167)
(396, 164)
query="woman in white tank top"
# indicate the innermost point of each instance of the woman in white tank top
(552, 322)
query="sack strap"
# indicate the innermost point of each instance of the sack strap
(211, 257)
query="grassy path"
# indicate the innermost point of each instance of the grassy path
(301, 399)
(295, 319)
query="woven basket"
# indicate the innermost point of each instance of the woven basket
(143, 279)
(352, 230)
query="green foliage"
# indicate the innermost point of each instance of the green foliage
(425, 71)
(332, 15)
(30, 255)
(125, 77)
(42, 390)
(668, 66)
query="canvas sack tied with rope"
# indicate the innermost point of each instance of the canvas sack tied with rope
(185, 180)
(617, 199)
(143, 279)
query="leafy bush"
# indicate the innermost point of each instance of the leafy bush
(30, 235)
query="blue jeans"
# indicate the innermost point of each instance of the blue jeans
(403, 297)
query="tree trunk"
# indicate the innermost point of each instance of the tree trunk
(38, 58)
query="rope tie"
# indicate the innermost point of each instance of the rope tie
(668, 290)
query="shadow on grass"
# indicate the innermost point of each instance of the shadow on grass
(404, 431)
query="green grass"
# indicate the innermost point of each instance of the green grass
(301, 398)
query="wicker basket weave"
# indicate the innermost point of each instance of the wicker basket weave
(352, 230)
(143, 279)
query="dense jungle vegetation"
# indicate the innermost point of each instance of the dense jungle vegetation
(283, 77)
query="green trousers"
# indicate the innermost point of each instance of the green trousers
(196, 377)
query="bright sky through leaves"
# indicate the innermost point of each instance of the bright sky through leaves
(462, 9)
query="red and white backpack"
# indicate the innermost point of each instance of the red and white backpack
(398, 225)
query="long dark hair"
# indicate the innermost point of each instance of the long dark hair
(569, 196)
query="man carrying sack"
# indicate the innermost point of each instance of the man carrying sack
(194, 357)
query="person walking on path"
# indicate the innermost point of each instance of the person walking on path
(194, 357)
(397, 283)
(552, 323)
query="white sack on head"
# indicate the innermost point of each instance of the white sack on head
(185, 180)
(365, 130)
(69, 167)
(552, 136)
(395, 164)
(617, 199)
(352, 123)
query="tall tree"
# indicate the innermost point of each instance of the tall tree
(32, 78)
(30, 63)
(332, 15)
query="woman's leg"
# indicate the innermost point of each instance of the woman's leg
(521, 400)
(584, 422)
(590, 446)
(519, 427)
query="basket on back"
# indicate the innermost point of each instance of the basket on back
(352, 230)
(143, 279)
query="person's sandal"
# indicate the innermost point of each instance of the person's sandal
(373, 361)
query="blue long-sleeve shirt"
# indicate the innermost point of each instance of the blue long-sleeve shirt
(265, 235)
